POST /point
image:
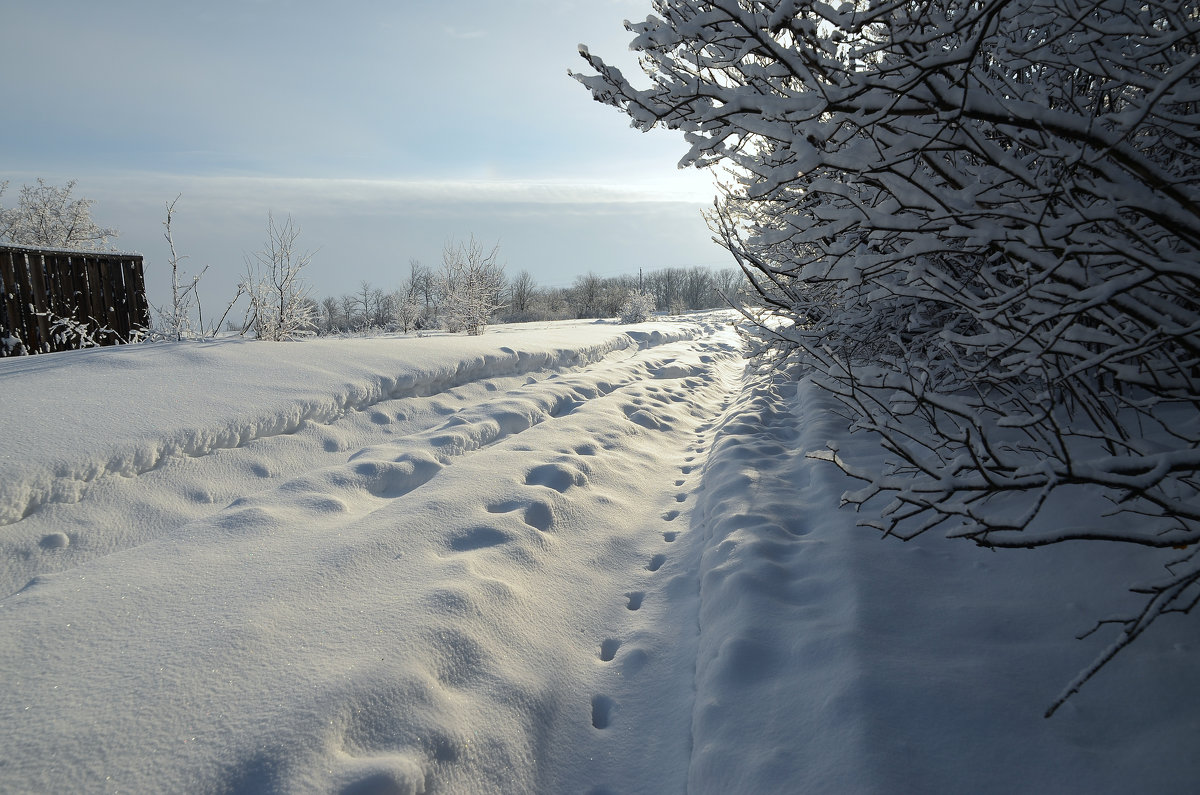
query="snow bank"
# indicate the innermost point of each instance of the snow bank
(832, 660)
(475, 591)
(148, 403)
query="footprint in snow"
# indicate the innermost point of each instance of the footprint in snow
(478, 538)
(656, 562)
(537, 514)
(52, 541)
(670, 536)
(555, 476)
(202, 496)
(540, 516)
(670, 516)
(639, 416)
(608, 649)
(602, 710)
(564, 406)
(635, 600)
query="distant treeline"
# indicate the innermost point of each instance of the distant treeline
(418, 302)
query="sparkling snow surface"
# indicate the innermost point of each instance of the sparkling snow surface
(570, 557)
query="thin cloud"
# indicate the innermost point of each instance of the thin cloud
(467, 34)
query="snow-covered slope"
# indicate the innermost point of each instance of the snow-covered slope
(833, 660)
(577, 557)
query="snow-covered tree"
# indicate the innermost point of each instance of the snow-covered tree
(587, 295)
(279, 305)
(47, 215)
(406, 309)
(637, 308)
(978, 223)
(470, 285)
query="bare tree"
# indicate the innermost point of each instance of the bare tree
(520, 294)
(696, 288)
(331, 317)
(421, 283)
(348, 303)
(726, 282)
(279, 304)
(980, 222)
(587, 295)
(406, 309)
(382, 308)
(363, 309)
(7, 220)
(176, 318)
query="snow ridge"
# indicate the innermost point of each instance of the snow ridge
(24, 489)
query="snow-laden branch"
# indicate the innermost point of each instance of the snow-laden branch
(978, 224)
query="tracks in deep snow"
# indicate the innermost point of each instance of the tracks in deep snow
(102, 514)
(514, 547)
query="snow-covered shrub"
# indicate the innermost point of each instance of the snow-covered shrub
(280, 308)
(469, 285)
(638, 307)
(11, 344)
(75, 333)
(978, 224)
(407, 310)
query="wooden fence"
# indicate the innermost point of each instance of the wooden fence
(55, 299)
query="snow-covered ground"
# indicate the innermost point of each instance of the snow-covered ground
(571, 557)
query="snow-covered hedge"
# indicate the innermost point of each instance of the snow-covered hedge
(978, 224)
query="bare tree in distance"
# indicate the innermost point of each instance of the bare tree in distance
(521, 290)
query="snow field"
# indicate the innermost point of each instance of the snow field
(433, 613)
(864, 664)
(574, 558)
(173, 433)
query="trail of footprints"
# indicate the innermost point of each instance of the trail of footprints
(604, 707)
(536, 509)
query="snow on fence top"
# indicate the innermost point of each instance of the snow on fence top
(90, 252)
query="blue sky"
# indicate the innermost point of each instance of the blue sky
(385, 128)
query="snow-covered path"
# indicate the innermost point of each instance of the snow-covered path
(575, 557)
(474, 588)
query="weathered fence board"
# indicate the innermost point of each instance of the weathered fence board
(103, 291)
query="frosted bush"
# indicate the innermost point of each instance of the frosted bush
(637, 308)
